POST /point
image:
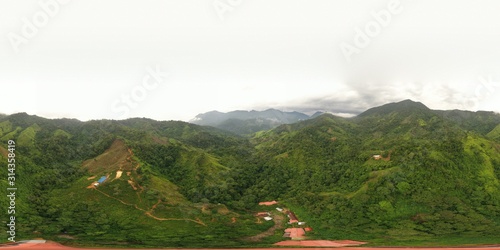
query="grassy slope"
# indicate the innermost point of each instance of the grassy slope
(494, 134)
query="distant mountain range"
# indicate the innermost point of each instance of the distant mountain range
(248, 122)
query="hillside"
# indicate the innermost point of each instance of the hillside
(167, 183)
(481, 122)
(433, 180)
(398, 174)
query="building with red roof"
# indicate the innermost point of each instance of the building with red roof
(268, 203)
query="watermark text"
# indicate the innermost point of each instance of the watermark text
(224, 7)
(486, 87)
(373, 28)
(31, 26)
(11, 190)
(138, 93)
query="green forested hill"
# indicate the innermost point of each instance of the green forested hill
(435, 178)
(177, 184)
(481, 122)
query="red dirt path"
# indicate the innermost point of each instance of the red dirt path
(55, 246)
(320, 243)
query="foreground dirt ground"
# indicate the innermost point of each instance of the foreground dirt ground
(56, 246)
(320, 243)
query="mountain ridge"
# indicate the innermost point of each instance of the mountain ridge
(248, 122)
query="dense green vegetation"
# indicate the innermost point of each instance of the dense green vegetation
(436, 179)
(436, 182)
(183, 175)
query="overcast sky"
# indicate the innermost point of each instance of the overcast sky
(170, 60)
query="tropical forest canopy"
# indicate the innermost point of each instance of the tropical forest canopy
(400, 172)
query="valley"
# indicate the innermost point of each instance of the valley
(396, 175)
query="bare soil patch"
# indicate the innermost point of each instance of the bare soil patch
(116, 157)
(132, 184)
(4, 152)
(118, 174)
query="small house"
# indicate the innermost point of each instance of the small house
(268, 218)
(102, 179)
(268, 203)
(377, 157)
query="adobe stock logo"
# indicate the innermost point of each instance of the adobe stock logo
(486, 87)
(39, 20)
(372, 29)
(224, 6)
(139, 93)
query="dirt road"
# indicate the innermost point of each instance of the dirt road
(278, 220)
(55, 246)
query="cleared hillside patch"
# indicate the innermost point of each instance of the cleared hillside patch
(117, 157)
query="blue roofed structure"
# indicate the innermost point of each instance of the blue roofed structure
(100, 181)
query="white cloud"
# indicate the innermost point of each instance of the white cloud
(263, 54)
